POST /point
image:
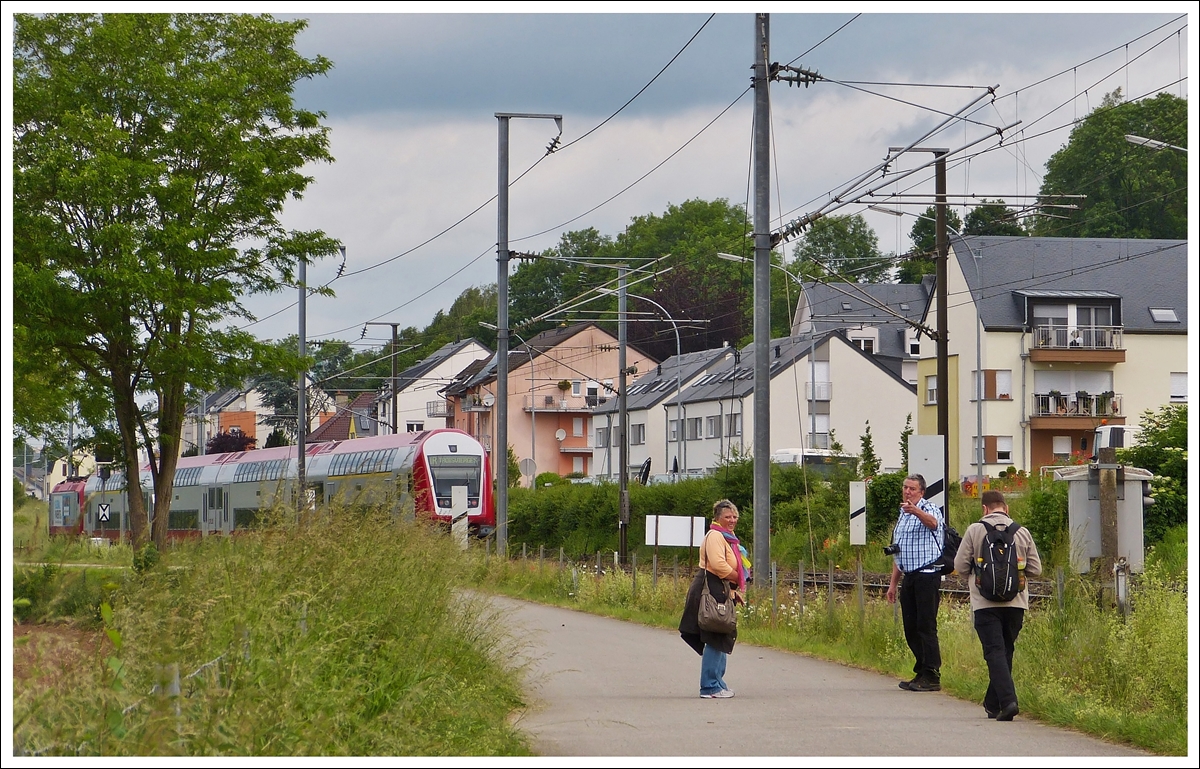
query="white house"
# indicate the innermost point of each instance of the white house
(419, 403)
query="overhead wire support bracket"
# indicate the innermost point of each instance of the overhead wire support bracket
(799, 76)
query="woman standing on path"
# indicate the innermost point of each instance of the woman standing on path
(721, 565)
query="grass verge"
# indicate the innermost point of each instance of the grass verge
(346, 636)
(1078, 666)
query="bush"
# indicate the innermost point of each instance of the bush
(1045, 516)
(883, 500)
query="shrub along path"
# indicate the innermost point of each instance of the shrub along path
(603, 687)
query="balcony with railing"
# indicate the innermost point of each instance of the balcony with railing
(1069, 410)
(1057, 343)
(474, 403)
(560, 402)
(437, 408)
(818, 391)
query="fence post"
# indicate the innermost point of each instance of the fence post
(597, 560)
(633, 563)
(523, 552)
(774, 591)
(675, 568)
(560, 556)
(1058, 586)
(654, 573)
(800, 583)
(541, 557)
(830, 589)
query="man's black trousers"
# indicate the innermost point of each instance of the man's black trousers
(998, 629)
(919, 596)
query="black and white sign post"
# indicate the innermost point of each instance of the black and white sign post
(858, 513)
(927, 458)
(102, 512)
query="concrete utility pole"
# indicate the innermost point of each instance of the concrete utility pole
(762, 297)
(622, 408)
(1106, 460)
(500, 444)
(943, 356)
(395, 421)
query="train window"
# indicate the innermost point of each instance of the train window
(183, 519)
(450, 470)
(253, 472)
(188, 476)
(362, 462)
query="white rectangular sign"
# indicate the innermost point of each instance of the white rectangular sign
(926, 457)
(674, 530)
(858, 513)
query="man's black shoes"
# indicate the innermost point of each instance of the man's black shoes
(921, 684)
(907, 685)
(1007, 712)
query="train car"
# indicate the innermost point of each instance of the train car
(67, 500)
(414, 474)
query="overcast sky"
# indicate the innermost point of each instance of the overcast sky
(411, 101)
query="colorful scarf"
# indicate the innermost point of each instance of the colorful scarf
(740, 555)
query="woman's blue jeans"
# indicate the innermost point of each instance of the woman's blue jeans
(712, 670)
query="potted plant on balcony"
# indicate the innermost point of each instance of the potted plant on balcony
(1056, 403)
(1104, 402)
(1083, 403)
(563, 386)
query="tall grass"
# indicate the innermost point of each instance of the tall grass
(1080, 666)
(344, 636)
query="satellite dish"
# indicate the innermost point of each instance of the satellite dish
(560, 434)
(488, 400)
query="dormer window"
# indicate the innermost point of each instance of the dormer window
(845, 307)
(1164, 315)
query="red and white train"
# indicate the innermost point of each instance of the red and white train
(413, 473)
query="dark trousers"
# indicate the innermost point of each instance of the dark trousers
(998, 629)
(919, 597)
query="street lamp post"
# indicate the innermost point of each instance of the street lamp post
(1153, 144)
(532, 404)
(500, 449)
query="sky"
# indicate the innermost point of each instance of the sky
(411, 102)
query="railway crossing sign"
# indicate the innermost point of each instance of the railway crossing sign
(102, 512)
(458, 515)
(858, 513)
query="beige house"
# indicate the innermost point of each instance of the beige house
(555, 383)
(1074, 333)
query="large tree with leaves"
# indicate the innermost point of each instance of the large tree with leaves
(152, 156)
(1132, 191)
(924, 244)
(843, 247)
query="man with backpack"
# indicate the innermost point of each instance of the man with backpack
(999, 555)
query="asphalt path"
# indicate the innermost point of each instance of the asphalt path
(603, 687)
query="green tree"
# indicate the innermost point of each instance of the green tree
(992, 217)
(905, 434)
(868, 460)
(841, 246)
(924, 244)
(1161, 448)
(1132, 191)
(152, 156)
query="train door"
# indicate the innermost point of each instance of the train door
(331, 489)
(214, 518)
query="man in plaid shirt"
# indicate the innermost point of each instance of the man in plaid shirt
(919, 533)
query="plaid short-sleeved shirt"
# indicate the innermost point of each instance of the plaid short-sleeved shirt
(919, 546)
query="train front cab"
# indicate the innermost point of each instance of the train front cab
(449, 459)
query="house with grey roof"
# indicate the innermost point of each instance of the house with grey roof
(878, 317)
(820, 384)
(649, 417)
(419, 402)
(1073, 333)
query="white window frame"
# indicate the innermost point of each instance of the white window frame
(577, 427)
(712, 427)
(1004, 456)
(601, 437)
(672, 430)
(931, 390)
(576, 388)
(637, 434)
(693, 428)
(733, 424)
(1179, 387)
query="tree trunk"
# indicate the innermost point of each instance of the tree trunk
(125, 405)
(171, 408)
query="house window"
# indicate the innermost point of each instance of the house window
(693, 425)
(866, 345)
(673, 430)
(637, 434)
(1004, 449)
(996, 384)
(733, 424)
(931, 391)
(577, 464)
(1179, 387)
(415, 427)
(577, 426)
(712, 427)
(577, 388)
(601, 437)
(914, 345)
(1062, 447)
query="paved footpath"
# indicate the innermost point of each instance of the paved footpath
(603, 687)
